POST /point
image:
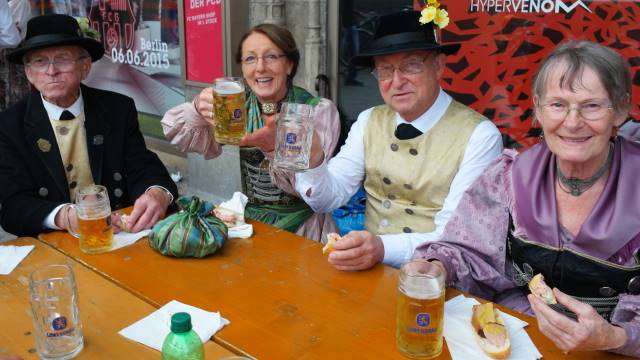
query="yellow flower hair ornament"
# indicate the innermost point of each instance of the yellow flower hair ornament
(433, 13)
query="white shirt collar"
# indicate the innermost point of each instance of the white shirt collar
(54, 111)
(430, 117)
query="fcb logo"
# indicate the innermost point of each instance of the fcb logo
(291, 138)
(423, 320)
(237, 113)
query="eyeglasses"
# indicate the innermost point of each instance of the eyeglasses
(409, 67)
(62, 63)
(269, 59)
(592, 110)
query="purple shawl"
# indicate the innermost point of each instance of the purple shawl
(615, 219)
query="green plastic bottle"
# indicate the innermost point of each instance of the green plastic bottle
(182, 343)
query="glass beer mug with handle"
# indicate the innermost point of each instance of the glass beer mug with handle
(229, 110)
(94, 219)
(294, 134)
(420, 313)
(54, 304)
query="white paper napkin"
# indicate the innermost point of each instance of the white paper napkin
(152, 329)
(461, 340)
(234, 208)
(236, 204)
(11, 256)
(241, 231)
(124, 238)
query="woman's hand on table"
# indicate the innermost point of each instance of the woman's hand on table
(590, 332)
(204, 103)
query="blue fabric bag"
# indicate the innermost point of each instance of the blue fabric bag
(351, 216)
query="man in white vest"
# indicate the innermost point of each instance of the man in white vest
(416, 154)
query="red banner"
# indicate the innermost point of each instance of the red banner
(503, 41)
(203, 40)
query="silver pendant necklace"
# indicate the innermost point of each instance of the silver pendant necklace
(576, 186)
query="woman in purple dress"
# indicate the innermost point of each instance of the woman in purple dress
(568, 208)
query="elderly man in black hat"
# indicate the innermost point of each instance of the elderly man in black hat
(416, 154)
(66, 135)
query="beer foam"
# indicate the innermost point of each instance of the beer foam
(421, 288)
(227, 88)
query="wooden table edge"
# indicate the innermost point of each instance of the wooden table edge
(217, 340)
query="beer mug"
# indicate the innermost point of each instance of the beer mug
(229, 110)
(54, 304)
(294, 135)
(420, 313)
(94, 219)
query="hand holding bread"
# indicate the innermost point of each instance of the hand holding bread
(332, 238)
(539, 288)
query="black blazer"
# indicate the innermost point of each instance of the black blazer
(32, 179)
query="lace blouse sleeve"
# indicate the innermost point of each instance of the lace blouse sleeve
(189, 131)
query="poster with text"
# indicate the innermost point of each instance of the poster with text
(204, 41)
(141, 48)
(142, 51)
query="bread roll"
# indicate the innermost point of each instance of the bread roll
(124, 223)
(539, 288)
(490, 332)
(332, 238)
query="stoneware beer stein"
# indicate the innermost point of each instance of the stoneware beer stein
(229, 110)
(294, 134)
(54, 303)
(420, 313)
(94, 219)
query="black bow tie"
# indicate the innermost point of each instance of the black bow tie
(407, 131)
(67, 115)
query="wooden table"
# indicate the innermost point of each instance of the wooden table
(283, 298)
(104, 307)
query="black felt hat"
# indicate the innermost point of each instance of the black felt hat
(399, 32)
(54, 30)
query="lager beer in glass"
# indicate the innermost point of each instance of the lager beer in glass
(229, 110)
(94, 219)
(420, 314)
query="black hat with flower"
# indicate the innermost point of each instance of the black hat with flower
(407, 31)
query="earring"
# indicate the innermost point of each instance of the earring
(614, 133)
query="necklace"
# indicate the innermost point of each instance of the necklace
(576, 186)
(270, 108)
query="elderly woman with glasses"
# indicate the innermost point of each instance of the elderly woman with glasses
(269, 58)
(568, 208)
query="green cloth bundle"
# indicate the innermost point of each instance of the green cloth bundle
(192, 232)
